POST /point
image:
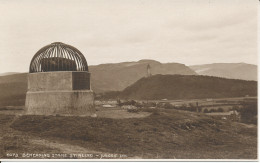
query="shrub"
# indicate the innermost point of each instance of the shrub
(235, 108)
(249, 113)
(168, 106)
(220, 110)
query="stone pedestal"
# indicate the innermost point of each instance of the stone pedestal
(59, 93)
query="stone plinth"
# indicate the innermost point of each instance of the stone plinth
(59, 93)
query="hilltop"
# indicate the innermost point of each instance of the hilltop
(242, 71)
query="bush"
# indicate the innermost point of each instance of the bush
(249, 113)
(206, 110)
(220, 110)
(168, 106)
(192, 109)
(236, 108)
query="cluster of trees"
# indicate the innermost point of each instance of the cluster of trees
(248, 112)
(192, 108)
(213, 110)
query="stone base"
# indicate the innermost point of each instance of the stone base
(67, 103)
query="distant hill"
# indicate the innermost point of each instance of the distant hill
(104, 77)
(13, 89)
(8, 73)
(116, 77)
(228, 70)
(188, 87)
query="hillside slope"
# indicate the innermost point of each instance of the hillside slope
(8, 73)
(188, 87)
(228, 70)
(13, 89)
(116, 77)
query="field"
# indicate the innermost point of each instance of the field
(114, 133)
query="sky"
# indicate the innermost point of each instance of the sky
(184, 31)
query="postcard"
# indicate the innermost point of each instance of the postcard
(128, 80)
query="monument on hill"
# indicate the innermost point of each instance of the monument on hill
(59, 82)
(148, 68)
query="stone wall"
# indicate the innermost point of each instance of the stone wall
(60, 80)
(49, 81)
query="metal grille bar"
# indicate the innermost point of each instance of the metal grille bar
(58, 57)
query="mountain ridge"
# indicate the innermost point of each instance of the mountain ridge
(117, 76)
(104, 78)
(241, 70)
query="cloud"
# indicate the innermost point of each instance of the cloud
(219, 14)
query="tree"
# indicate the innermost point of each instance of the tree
(206, 110)
(220, 110)
(168, 106)
(249, 113)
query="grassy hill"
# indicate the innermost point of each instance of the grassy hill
(118, 76)
(188, 87)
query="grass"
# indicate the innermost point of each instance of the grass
(164, 134)
(13, 141)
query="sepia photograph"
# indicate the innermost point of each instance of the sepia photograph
(128, 80)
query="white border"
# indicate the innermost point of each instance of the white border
(165, 160)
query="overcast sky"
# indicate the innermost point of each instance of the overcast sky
(184, 31)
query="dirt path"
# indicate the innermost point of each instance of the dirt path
(247, 125)
(63, 148)
(77, 151)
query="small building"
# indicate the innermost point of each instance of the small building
(59, 82)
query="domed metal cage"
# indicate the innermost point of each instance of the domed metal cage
(58, 57)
